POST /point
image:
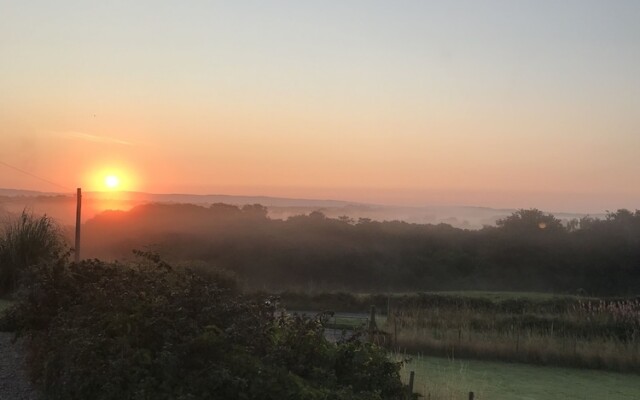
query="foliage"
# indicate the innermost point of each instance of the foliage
(25, 241)
(530, 221)
(528, 251)
(151, 331)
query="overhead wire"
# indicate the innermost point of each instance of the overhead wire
(35, 176)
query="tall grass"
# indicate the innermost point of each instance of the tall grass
(603, 335)
(544, 329)
(24, 241)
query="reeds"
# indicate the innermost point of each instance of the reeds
(602, 334)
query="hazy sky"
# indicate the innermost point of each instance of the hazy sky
(495, 103)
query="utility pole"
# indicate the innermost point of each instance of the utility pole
(78, 222)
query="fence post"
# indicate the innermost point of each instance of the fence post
(471, 396)
(412, 376)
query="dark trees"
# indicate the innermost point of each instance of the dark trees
(528, 250)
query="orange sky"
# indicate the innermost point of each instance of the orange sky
(497, 106)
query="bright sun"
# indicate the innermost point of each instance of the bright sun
(112, 181)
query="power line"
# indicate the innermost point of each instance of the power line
(35, 176)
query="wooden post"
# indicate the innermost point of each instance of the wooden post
(412, 376)
(471, 396)
(78, 223)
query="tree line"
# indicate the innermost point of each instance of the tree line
(527, 251)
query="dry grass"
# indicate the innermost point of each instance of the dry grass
(603, 337)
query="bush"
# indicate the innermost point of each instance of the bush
(149, 331)
(26, 240)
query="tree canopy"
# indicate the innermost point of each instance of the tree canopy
(529, 250)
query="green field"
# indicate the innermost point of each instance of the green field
(454, 379)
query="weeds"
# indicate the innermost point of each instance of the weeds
(26, 240)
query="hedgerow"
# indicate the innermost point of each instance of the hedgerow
(101, 330)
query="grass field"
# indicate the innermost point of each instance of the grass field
(445, 379)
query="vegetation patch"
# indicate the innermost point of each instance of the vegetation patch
(530, 328)
(529, 251)
(149, 331)
(603, 334)
(24, 241)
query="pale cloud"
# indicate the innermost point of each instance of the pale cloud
(93, 138)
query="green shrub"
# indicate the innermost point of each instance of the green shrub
(26, 240)
(149, 331)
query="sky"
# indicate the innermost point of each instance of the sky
(491, 103)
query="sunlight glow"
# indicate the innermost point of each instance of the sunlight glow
(112, 181)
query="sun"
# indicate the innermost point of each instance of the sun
(112, 181)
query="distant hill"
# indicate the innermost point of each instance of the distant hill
(219, 198)
(25, 193)
(62, 207)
